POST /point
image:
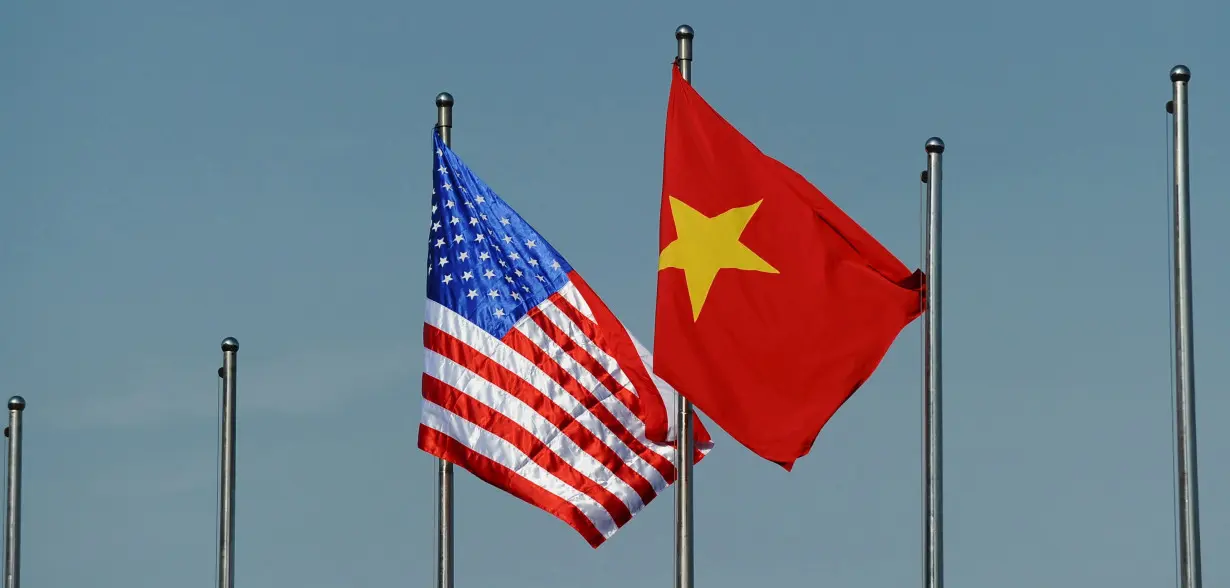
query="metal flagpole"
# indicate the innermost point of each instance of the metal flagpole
(444, 471)
(12, 523)
(1185, 371)
(933, 501)
(683, 457)
(226, 523)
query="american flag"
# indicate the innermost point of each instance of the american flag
(529, 380)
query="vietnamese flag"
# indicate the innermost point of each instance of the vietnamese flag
(773, 305)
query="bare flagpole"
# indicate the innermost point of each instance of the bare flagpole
(444, 471)
(933, 495)
(12, 523)
(683, 458)
(226, 522)
(1185, 371)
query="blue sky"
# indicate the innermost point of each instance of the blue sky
(174, 173)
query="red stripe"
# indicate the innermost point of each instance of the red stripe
(448, 346)
(582, 355)
(591, 365)
(618, 344)
(621, 347)
(449, 449)
(470, 409)
(531, 351)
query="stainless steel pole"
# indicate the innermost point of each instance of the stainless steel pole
(933, 470)
(12, 526)
(1185, 371)
(226, 548)
(683, 464)
(444, 470)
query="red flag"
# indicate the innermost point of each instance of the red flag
(773, 305)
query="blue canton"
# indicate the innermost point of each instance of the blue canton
(484, 261)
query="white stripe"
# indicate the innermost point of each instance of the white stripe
(475, 386)
(668, 393)
(570, 293)
(506, 454)
(587, 380)
(573, 331)
(467, 332)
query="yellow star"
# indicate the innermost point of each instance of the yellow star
(706, 245)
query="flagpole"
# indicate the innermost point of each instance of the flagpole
(226, 548)
(683, 457)
(444, 469)
(12, 523)
(1185, 371)
(933, 501)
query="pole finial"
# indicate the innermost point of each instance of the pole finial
(17, 403)
(683, 57)
(935, 145)
(230, 344)
(1180, 73)
(444, 100)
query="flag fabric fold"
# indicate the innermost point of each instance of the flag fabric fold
(774, 306)
(530, 382)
